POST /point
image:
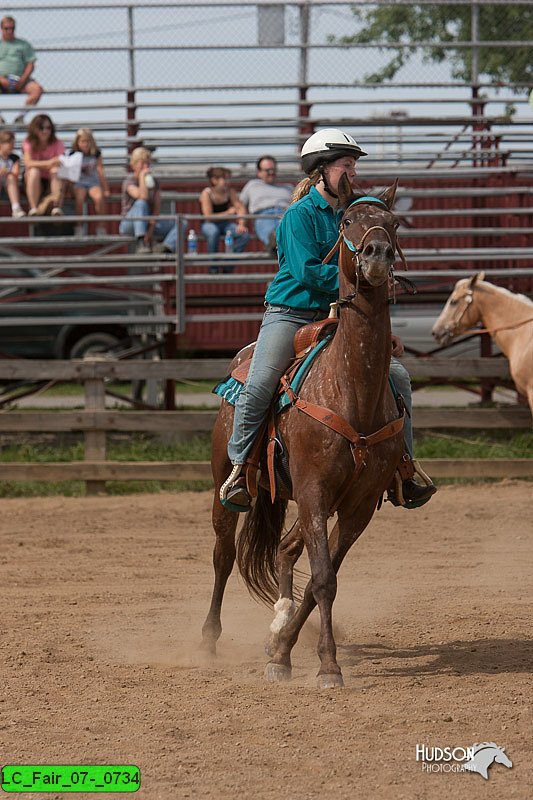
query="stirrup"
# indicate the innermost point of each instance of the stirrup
(395, 493)
(228, 485)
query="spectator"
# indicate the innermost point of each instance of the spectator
(217, 201)
(92, 181)
(263, 196)
(9, 171)
(141, 197)
(41, 150)
(17, 59)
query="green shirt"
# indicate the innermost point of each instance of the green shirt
(14, 56)
(307, 232)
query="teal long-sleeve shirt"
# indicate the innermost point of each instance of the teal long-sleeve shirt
(307, 232)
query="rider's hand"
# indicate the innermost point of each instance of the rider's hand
(397, 346)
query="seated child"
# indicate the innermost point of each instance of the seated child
(92, 181)
(9, 171)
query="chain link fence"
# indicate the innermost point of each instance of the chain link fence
(84, 46)
(235, 75)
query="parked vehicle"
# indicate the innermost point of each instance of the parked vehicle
(64, 322)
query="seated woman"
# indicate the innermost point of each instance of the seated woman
(41, 150)
(217, 201)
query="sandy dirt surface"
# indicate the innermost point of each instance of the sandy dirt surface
(102, 603)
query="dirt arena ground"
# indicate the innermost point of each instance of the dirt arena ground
(102, 603)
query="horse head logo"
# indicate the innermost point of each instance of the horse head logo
(484, 755)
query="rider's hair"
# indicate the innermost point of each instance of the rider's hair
(304, 187)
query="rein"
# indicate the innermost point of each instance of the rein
(497, 330)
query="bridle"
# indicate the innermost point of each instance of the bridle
(357, 250)
(453, 324)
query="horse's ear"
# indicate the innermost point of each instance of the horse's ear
(345, 191)
(479, 276)
(388, 196)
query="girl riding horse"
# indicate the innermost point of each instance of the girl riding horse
(301, 292)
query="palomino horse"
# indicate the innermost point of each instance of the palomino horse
(506, 316)
(351, 379)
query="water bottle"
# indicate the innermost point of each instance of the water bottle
(228, 241)
(192, 241)
(149, 180)
(12, 82)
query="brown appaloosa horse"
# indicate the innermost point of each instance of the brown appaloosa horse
(327, 469)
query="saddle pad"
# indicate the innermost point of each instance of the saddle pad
(230, 388)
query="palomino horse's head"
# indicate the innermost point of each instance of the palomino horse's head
(460, 312)
(368, 228)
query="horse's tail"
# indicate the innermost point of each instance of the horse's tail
(257, 546)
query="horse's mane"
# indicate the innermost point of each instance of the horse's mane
(483, 745)
(514, 295)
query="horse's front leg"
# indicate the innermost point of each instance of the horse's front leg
(323, 585)
(290, 550)
(345, 532)
(224, 524)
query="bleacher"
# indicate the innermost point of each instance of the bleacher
(466, 176)
(446, 228)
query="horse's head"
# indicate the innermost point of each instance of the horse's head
(460, 312)
(503, 758)
(368, 230)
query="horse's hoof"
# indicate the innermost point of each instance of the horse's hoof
(333, 681)
(207, 649)
(277, 673)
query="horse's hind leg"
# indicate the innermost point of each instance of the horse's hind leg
(289, 552)
(224, 524)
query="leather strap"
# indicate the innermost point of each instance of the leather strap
(340, 425)
(271, 452)
(497, 330)
(359, 443)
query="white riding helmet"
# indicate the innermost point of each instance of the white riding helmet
(327, 145)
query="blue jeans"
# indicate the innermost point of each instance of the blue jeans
(273, 352)
(165, 230)
(267, 221)
(214, 231)
(402, 385)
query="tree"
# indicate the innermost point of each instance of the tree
(442, 25)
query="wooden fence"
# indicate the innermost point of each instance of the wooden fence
(96, 422)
